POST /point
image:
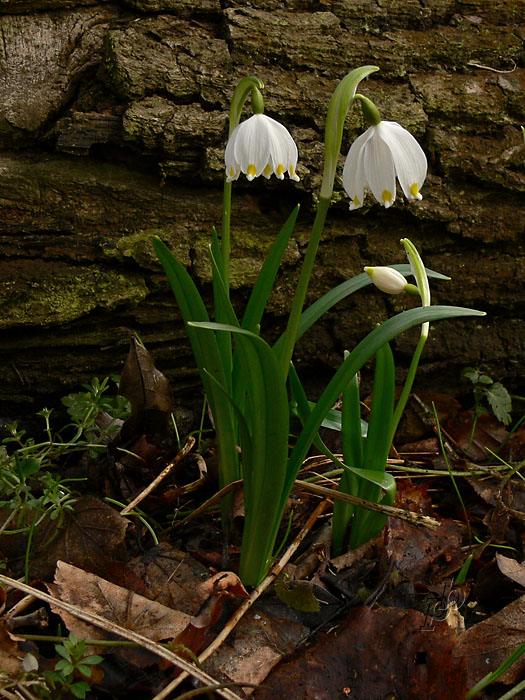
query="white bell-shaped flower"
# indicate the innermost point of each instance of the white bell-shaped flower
(385, 151)
(386, 279)
(260, 146)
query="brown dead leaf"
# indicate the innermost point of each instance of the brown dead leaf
(487, 644)
(163, 574)
(362, 660)
(127, 609)
(413, 426)
(88, 536)
(514, 449)
(489, 433)
(148, 392)
(225, 584)
(420, 554)
(511, 568)
(259, 643)
(10, 655)
(213, 591)
(509, 503)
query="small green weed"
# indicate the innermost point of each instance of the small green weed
(31, 486)
(489, 394)
(60, 684)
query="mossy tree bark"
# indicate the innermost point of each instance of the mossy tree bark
(113, 120)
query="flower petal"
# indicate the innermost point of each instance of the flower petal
(354, 180)
(410, 161)
(233, 168)
(379, 168)
(283, 151)
(260, 146)
(386, 279)
(251, 147)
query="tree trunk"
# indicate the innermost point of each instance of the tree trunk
(113, 122)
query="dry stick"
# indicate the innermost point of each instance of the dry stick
(164, 473)
(394, 512)
(424, 520)
(242, 609)
(113, 628)
(210, 502)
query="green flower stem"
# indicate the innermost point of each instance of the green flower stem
(370, 111)
(290, 334)
(420, 273)
(244, 89)
(340, 103)
(407, 387)
(225, 238)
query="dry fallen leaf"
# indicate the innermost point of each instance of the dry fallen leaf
(487, 644)
(377, 653)
(87, 538)
(127, 609)
(260, 641)
(418, 553)
(224, 583)
(163, 574)
(511, 568)
(148, 392)
(10, 655)
(489, 434)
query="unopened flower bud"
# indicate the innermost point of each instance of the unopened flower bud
(386, 279)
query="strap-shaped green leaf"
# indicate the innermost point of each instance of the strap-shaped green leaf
(267, 416)
(363, 352)
(266, 278)
(377, 444)
(384, 481)
(207, 356)
(378, 440)
(352, 454)
(314, 312)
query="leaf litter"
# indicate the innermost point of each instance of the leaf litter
(386, 620)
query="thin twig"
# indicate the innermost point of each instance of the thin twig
(210, 502)
(7, 521)
(164, 473)
(415, 518)
(242, 609)
(494, 70)
(207, 689)
(113, 628)
(19, 607)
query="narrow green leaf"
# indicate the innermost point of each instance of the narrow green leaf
(265, 473)
(377, 444)
(384, 481)
(333, 420)
(266, 278)
(351, 424)
(314, 312)
(207, 356)
(352, 454)
(364, 351)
